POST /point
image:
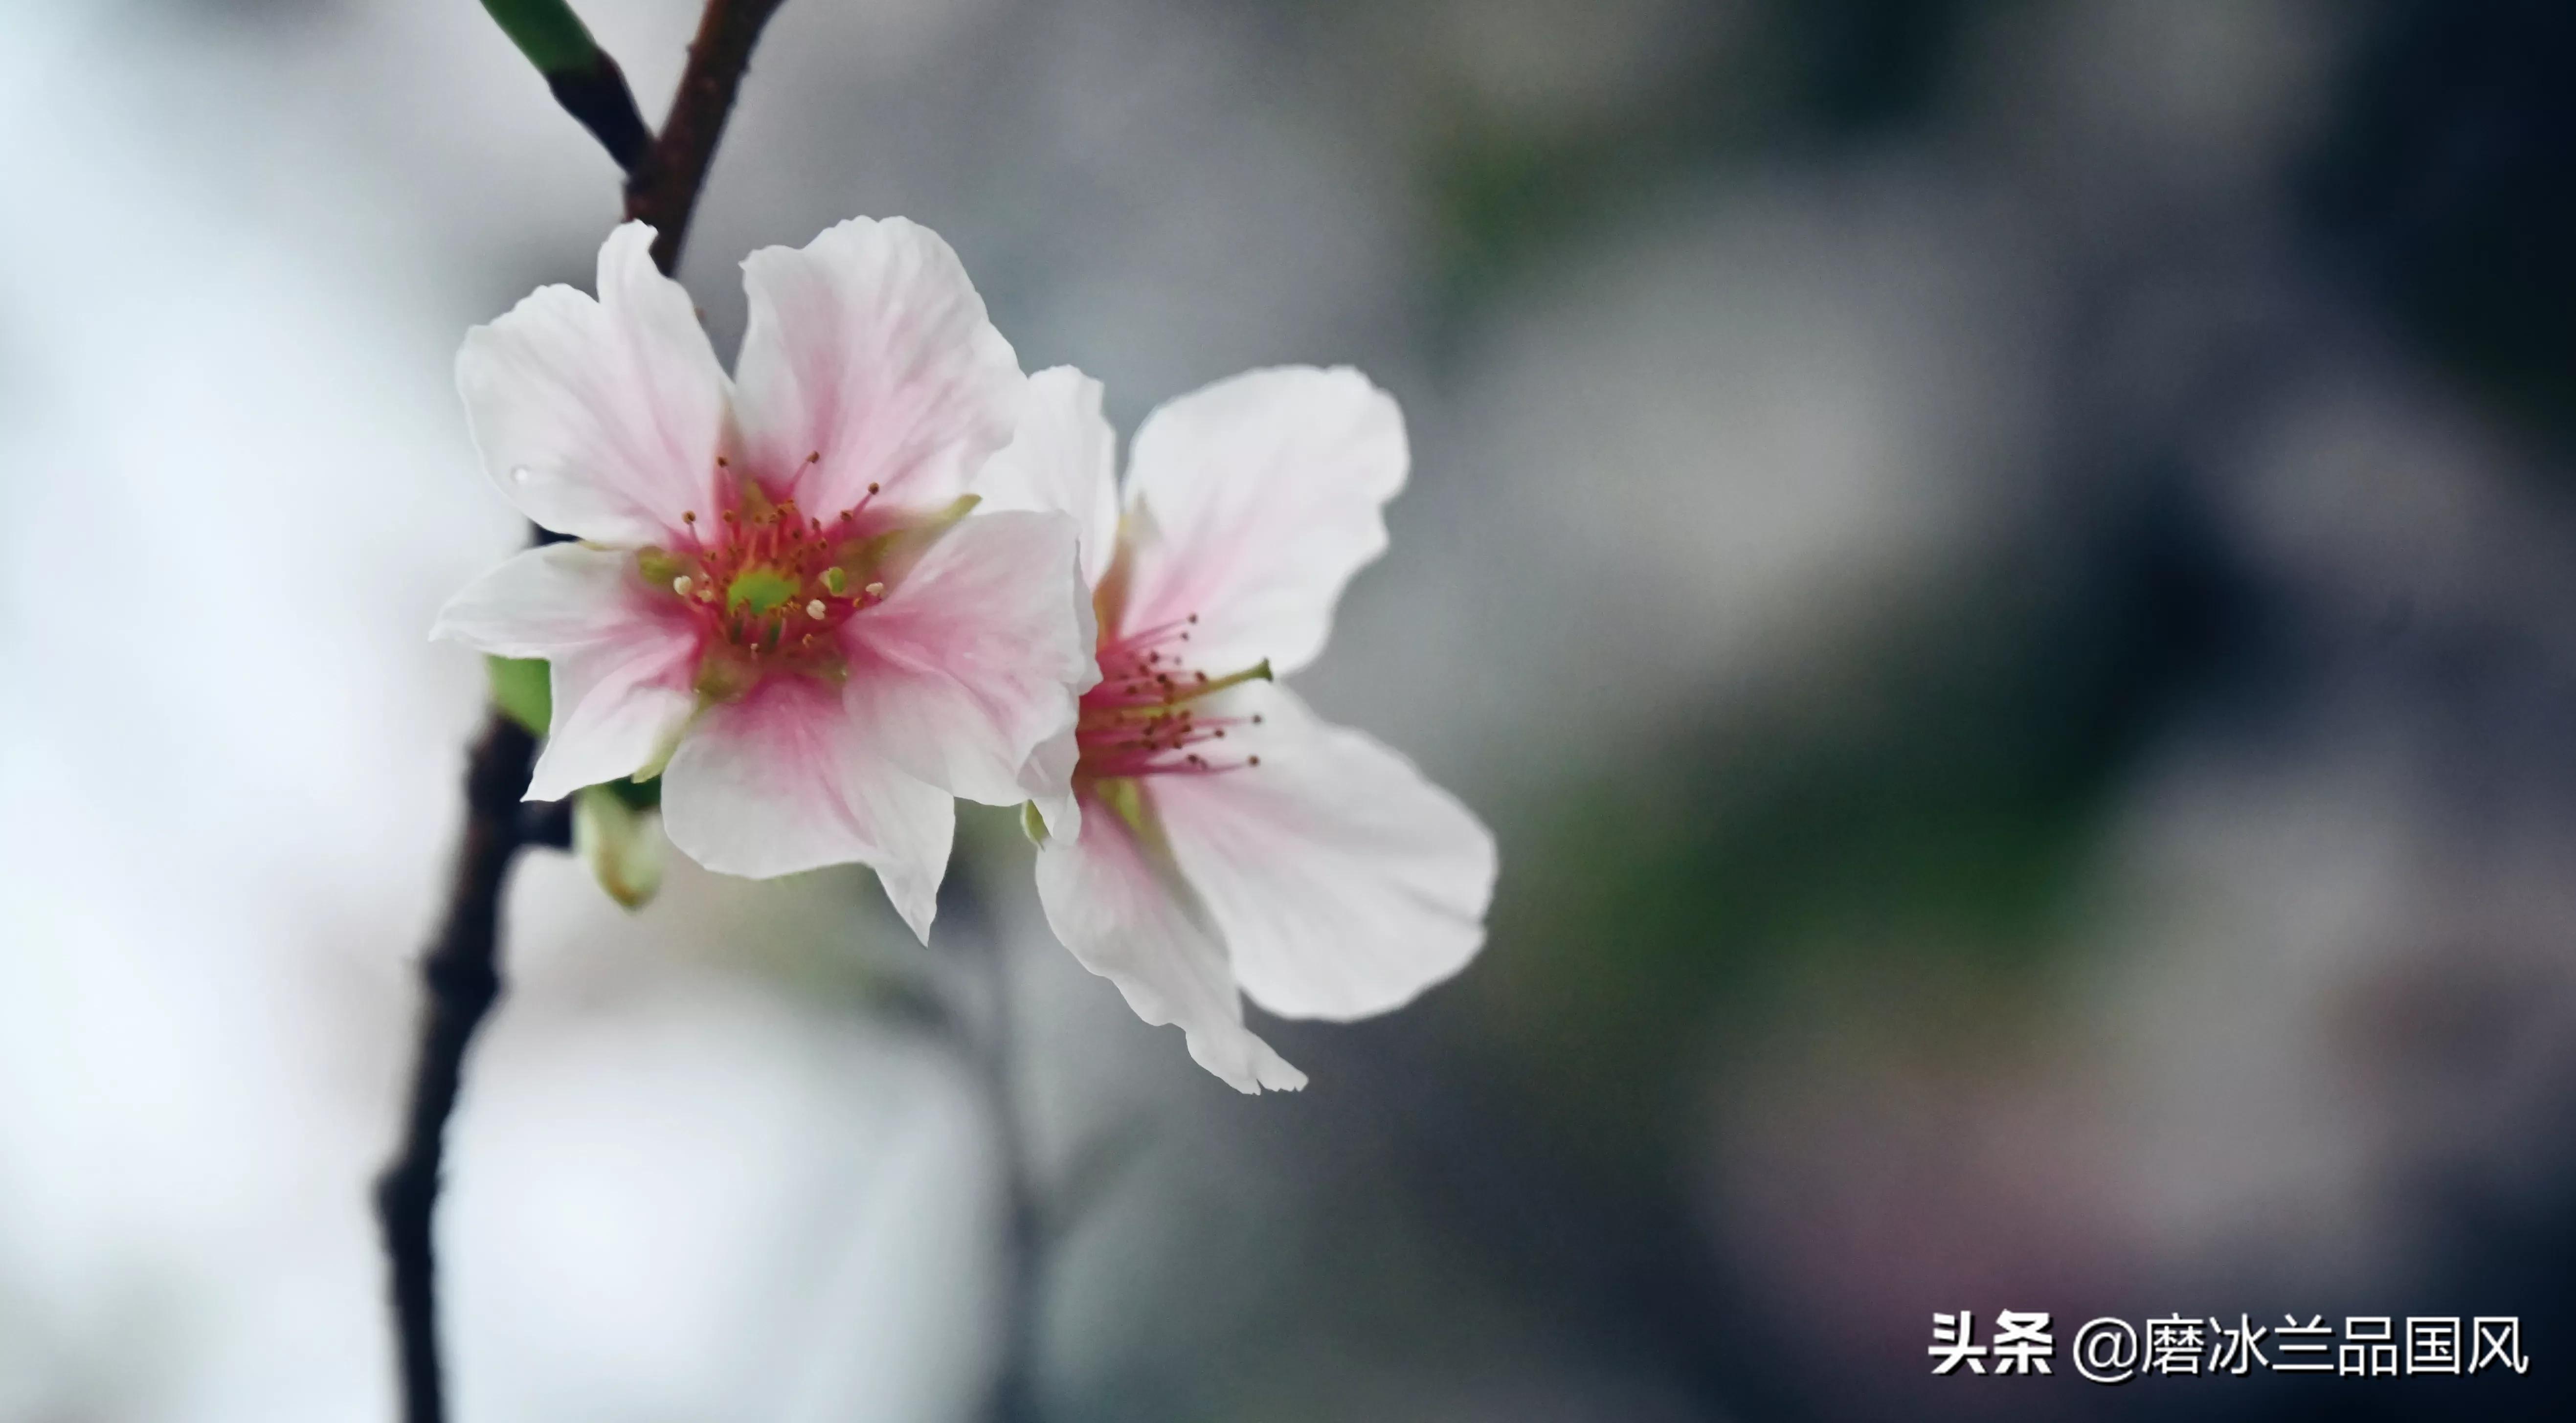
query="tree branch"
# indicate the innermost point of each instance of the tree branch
(665, 191)
(461, 973)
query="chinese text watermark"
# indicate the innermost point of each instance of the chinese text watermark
(2110, 1350)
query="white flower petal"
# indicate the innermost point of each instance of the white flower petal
(599, 419)
(1049, 775)
(622, 662)
(615, 708)
(1132, 921)
(869, 347)
(1262, 494)
(1343, 881)
(785, 780)
(976, 658)
(543, 601)
(1064, 459)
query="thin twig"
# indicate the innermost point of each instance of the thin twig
(1014, 1396)
(461, 972)
(462, 975)
(665, 191)
(598, 97)
(581, 75)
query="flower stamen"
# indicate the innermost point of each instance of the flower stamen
(772, 585)
(1143, 717)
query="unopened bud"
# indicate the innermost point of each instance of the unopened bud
(621, 844)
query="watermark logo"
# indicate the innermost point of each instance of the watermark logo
(2110, 1350)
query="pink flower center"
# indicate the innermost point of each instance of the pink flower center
(769, 588)
(1144, 718)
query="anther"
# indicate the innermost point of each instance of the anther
(681, 585)
(814, 457)
(723, 463)
(688, 516)
(815, 610)
(872, 486)
(1256, 760)
(874, 590)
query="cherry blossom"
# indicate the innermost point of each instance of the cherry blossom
(1218, 839)
(783, 599)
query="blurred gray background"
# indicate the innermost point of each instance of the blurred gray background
(2005, 573)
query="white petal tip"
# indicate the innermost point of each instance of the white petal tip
(1254, 1071)
(916, 908)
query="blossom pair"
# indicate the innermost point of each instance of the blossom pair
(879, 569)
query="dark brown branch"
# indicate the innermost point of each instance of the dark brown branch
(461, 974)
(462, 970)
(665, 192)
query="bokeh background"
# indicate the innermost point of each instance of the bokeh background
(2004, 572)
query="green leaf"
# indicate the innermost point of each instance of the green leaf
(523, 688)
(548, 33)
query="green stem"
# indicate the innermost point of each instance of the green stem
(584, 79)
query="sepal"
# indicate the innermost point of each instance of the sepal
(522, 687)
